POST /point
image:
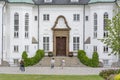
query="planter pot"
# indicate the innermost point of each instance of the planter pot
(50, 54)
(70, 54)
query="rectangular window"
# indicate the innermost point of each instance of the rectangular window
(35, 18)
(16, 25)
(16, 61)
(27, 48)
(95, 49)
(95, 34)
(16, 34)
(106, 62)
(86, 18)
(26, 34)
(74, 0)
(76, 17)
(105, 49)
(16, 48)
(46, 17)
(47, 1)
(76, 43)
(46, 44)
(105, 34)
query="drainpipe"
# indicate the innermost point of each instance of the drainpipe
(38, 25)
(84, 27)
(2, 28)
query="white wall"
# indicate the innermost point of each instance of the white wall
(67, 11)
(1, 5)
(100, 9)
(21, 9)
(45, 27)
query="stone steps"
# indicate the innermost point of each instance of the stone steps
(69, 62)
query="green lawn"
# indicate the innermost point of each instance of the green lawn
(47, 77)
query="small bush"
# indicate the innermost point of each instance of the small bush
(95, 59)
(94, 62)
(24, 55)
(106, 73)
(117, 77)
(33, 60)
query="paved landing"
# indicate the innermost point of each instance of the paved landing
(55, 71)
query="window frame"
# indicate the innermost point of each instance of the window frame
(16, 25)
(105, 49)
(76, 43)
(46, 17)
(26, 25)
(27, 48)
(76, 17)
(106, 16)
(46, 43)
(95, 25)
(16, 48)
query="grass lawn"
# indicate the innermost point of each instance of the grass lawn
(48, 77)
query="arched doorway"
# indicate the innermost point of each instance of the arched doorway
(61, 37)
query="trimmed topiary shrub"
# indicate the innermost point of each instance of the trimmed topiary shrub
(24, 55)
(94, 62)
(95, 59)
(33, 60)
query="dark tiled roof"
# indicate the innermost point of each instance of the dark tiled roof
(88, 41)
(61, 2)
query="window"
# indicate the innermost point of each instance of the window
(106, 62)
(16, 25)
(86, 18)
(76, 43)
(105, 49)
(16, 61)
(26, 25)
(74, 0)
(46, 44)
(47, 1)
(16, 49)
(95, 25)
(95, 49)
(105, 34)
(35, 18)
(27, 48)
(76, 17)
(46, 17)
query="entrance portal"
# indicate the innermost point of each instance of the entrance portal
(60, 46)
(61, 37)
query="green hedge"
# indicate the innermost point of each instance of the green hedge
(106, 73)
(94, 62)
(33, 60)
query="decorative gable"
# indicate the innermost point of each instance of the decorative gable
(61, 23)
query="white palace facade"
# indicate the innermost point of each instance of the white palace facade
(58, 26)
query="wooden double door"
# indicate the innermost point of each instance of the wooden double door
(60, 46)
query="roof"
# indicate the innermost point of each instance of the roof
(88, 40)
(118, 3)
(34, 41)
(2, 0)
(61, 2)
(95, 1)
(21, 1)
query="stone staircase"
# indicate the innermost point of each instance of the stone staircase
(4, 63)
(69, 62)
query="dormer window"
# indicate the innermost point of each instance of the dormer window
(47, 1)
(74, 0)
